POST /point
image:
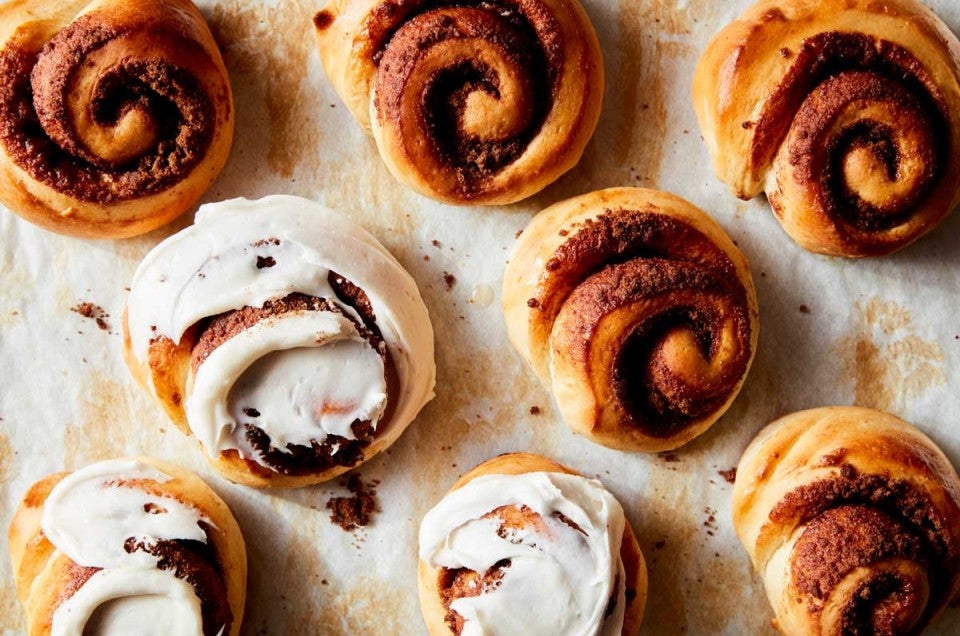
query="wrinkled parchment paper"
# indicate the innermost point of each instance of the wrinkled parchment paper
(882, 333)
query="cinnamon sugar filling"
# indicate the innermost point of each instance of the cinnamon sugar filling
(35, 127)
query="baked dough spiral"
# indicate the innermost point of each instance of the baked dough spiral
(846, 112)
(852, 518)
(522, 544)
(283, 337)
(637, 310)
(115, 115)
(126, 543)
(469, 102)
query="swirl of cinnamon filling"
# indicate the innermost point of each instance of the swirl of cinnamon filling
(637, 310)
(844, 113)
(283, 337)
(470, 102)
(115, 116)
(852, 517)
(128, 546)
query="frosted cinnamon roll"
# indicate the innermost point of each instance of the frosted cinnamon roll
(637, 310)
(469, 102)
(524, 545)
(115, 115)
(852, 518)
(283, 337)
(128, 546)
(845, 112)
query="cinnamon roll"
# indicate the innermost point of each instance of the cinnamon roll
(283, 337)
(128, 546)
(469, 102)
(852, 518)
(523, 545)
(637, 310)
(115, 115)
(845, 112)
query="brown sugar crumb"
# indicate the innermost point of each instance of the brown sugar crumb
(729, 475)
(669, 457)
(437, 244)
(517, 235)
(804, 309)
(355, 511)
(322, 20)
(450, 280)
(94, 312)
(534, 410)
(265, 261)
(533, 303)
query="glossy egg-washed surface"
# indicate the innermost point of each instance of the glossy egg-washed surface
(878, 333)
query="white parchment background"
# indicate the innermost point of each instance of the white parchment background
(883, 333)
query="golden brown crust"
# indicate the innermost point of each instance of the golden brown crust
(428, 578)
(470, 103)
(852, 517)
(847, 113)
(637, 310)
(115, 115)
(45, 577)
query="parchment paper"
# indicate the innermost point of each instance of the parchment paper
(882, 333)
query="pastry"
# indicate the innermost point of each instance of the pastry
(115, 115)
(845, 112)
(637, 310)
(283, 337)
(523, 545)
(469, 102)
(852, 518)
(126, 543)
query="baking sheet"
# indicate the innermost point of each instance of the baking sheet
(880, 333)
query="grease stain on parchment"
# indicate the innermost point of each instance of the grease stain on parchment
(11, 615)
(363, 606)
(8, 459)
(107, 423)
(887, 362)
(249, 38)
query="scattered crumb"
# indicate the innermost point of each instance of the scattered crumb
(534, 410)
(436, 243)
(659, 544)
(450, 280)
(804, 309)
(426, 258)
(265, 261)
(94, 312)
(669, 457)
(355, 511)
(729, 475)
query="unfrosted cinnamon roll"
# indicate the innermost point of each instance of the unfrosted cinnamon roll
(115, 115)
(469, 102)
(128, 546)
(637, 310)
(523, 545)
(283, 337)
(852, 518)
(845, 112)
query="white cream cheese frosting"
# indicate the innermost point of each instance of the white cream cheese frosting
(560, 581)
(304, 375)
(89, 516)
